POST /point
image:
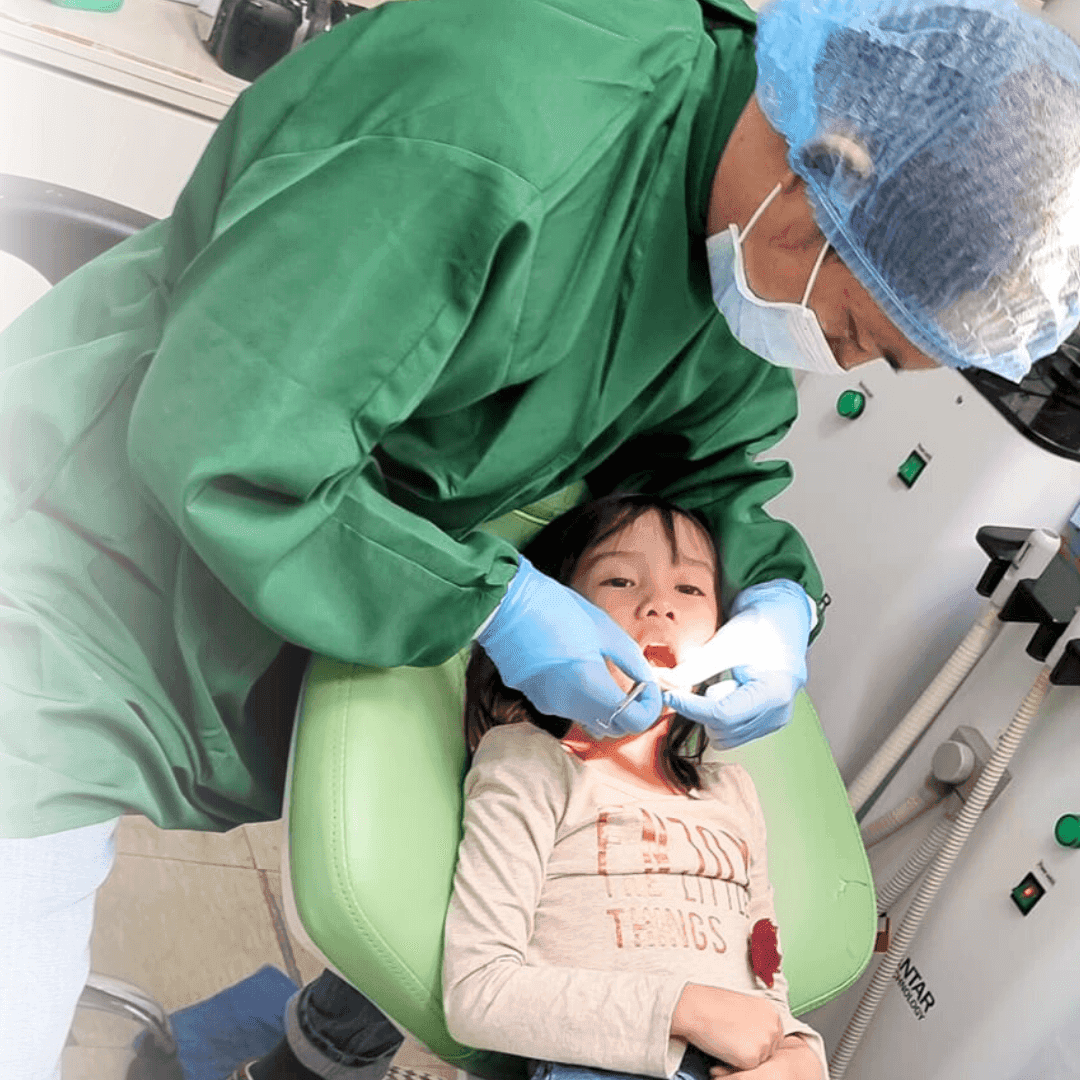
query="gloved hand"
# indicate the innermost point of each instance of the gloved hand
(764, 644)
(550, 643)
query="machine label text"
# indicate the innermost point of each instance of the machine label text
(913, 987)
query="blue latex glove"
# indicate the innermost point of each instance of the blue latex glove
(764, 644)
(550, 643)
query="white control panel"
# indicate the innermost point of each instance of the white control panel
(899, 558)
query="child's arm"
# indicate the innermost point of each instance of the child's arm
(618, 1020)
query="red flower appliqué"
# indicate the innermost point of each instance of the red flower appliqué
(764, 951)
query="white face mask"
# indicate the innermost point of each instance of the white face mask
(785, 334)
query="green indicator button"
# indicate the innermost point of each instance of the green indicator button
(1067, 831)
(850, 404)
(912, 468)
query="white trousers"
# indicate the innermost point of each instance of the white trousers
(47, 890)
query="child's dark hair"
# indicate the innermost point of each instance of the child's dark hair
(556, 551)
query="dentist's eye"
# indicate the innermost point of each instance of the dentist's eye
(853, 333)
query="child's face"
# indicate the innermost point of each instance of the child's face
(661, 600)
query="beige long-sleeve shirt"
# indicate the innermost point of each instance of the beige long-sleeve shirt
(583, 905)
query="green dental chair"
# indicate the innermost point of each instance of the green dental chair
(374, 807)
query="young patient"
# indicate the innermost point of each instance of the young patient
(611, 906)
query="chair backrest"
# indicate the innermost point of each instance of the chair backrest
(56, 229)
(374, 823)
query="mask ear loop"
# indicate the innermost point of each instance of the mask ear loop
(814, 273)
(743, 233)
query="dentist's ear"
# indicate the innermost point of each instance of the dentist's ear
(791, 182)
(794, 227)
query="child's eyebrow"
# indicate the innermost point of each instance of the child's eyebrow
(679, 558)
(590, 560)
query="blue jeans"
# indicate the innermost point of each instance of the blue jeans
(694, 1066)
(337, 1033)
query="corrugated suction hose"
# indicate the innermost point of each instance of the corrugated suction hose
(958, 835)
(919, 717)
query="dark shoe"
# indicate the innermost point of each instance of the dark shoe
(279, 1064)
(150, 1063)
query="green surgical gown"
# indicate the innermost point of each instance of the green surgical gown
(435, 265)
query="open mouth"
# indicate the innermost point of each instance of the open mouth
(660, 656)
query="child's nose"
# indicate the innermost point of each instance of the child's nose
(658, 605)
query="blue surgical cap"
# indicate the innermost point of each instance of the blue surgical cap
(940, 146)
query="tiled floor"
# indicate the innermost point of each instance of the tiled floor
(184, 915)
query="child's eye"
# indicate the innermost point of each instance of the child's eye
(618, 582)
(690, 590)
